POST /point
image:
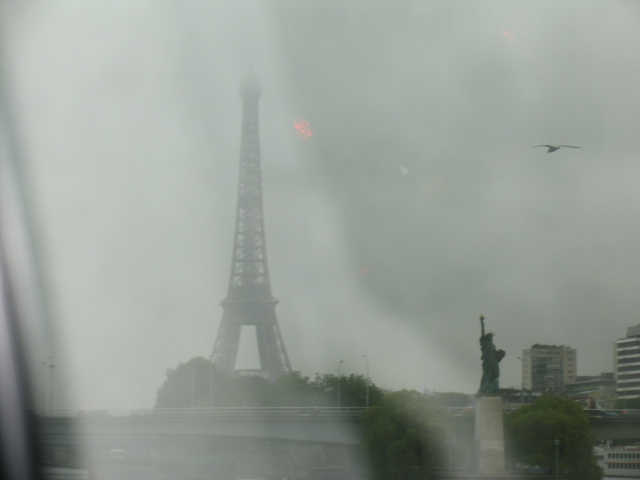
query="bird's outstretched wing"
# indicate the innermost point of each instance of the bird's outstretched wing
(569, 146)
(548, 146)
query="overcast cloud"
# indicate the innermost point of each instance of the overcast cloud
(417, 204)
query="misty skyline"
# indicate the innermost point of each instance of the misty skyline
(417, 204)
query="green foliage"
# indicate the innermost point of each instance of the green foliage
(295, 391)
(190, 385)
(464, 435)
(247, 391)
(404, 436)
(197, 383)
(353, 390)
(532, 429)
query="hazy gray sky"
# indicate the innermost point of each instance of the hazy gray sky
(128, 114)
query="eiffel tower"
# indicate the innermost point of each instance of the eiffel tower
(249, 301)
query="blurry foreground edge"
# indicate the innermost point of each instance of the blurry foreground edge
(17, 426)
(17, 436)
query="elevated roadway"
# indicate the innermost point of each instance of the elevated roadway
(339, 426)
(612, 425)
(314, 425)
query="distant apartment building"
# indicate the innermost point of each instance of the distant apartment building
(626, 364)
(548, 368)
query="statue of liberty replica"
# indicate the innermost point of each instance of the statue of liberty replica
(489, 432)
(490, 382)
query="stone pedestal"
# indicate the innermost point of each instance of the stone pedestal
(489, 435)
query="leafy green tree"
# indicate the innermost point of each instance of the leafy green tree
(195, 383)
(291, 390)
(462, 450)
(353, 390)
(247, 391)
(404, 436)
(532, 429)
(198, 383)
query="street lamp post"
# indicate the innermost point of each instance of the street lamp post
(556, 442)
(339, 376)
(51, 365)
(211, 380)
(45, 389)
(367, 384)
(521, 380)
(193, 382)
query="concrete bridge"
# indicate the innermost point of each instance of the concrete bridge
(302, 443)
(328, 425)
(611, 425)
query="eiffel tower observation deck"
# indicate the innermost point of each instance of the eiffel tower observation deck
(249, 301)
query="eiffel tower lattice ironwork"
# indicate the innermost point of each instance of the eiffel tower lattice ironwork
(249, 301)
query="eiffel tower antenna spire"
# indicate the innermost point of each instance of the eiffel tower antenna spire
(249, 301)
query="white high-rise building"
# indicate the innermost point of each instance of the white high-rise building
(626, 364)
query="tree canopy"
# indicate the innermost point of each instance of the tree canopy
(404, 436)
(532, 429)
(198, 383)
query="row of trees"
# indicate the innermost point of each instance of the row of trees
(199, 384)
(532, 430)
(403, 436)
(406, 435)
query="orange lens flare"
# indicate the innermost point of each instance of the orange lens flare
(507, 34)
(303, 128)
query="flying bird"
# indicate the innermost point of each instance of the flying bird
(553, 148)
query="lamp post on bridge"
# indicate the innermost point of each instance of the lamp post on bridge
(193, 383)
(45, 389)
(521, 380)
(339, 376)
(367, 384)
(211, 380)
(51, 365)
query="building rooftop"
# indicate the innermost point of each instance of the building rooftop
(633, 331)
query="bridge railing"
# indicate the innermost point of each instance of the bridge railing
(218, 412)
(253, 412)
